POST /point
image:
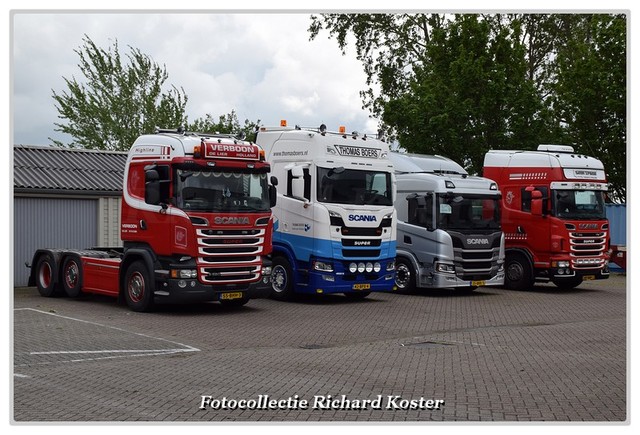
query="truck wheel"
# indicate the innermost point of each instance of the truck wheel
(405, 275)
(138, 288)
(72, 276)
(567, 283)
(281, 279)
(45, 281)
(518, 273)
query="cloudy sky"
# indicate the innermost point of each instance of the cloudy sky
(262, 65)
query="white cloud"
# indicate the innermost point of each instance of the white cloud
(263, 66)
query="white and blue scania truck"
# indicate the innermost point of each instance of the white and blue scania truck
(335, 223)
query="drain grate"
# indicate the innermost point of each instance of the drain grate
(312, 346)
(427, 344)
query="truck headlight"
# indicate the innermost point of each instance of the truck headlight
(353, 267)
(184, 273)
(266, 270)
(322, 266)
(445, 268)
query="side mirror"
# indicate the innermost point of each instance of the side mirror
(297, 182)
(297, 188)
(273, 195)
(273, 192)
(536, 201)
(151, 187)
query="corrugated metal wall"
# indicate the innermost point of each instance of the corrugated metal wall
(617, 215)
(51, 223)
(109, 222)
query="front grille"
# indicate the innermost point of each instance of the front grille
(363, 253)
(361, 242)
(360, 231)
(230, 274)
(587, 248)
(480, 255)
(226, 233)
(231, 241)
(229, 255)
(226, 260)
(494, 242)
(474, 263)
(232, 250)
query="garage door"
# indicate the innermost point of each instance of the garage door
(50, 223)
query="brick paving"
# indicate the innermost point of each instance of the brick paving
(494, 355)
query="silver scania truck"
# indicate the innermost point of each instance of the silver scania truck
(448, 233)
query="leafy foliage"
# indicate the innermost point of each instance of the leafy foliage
(590, 92)
(116, 102)
(228, 123)
(459, 85)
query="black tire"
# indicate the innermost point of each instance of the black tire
(72, 276)
(234, 303)
(518, 274)
(281, 279)
(357, 295)
(405, 275)
(567, 283)
(45, 276)
(138, 287)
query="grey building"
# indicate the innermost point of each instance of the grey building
(64, 198)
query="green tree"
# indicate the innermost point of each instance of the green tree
(591, 90)
(459, 85)
(228, 123)
(452, 85)
(116, 101)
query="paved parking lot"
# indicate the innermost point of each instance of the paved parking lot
(494, 355)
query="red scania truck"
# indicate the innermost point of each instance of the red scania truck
(553, 215)
(196, 225)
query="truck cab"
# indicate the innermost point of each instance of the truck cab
(553, 215)
(196, 225)
(335, 224)
(449, 233)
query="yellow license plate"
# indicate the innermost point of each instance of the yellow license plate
(478, 283)
(229, 296)
(588, 277)
(361, 286)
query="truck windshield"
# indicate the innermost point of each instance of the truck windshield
(578, 204)
(221, 191)
(349, 186)
(462, 212)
